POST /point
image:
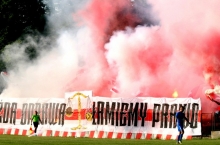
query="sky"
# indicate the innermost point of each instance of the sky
(126, 48)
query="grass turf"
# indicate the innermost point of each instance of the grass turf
(25, 140)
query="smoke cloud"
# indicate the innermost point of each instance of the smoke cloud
(118, 49)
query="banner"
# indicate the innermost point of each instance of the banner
(80, 114)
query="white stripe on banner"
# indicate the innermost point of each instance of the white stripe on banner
(104, 135)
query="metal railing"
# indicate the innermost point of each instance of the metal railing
(210, 122)
(216, 121)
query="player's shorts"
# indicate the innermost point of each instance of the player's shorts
(35, 124)
(180, 128)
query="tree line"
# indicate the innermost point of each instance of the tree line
(19, 18)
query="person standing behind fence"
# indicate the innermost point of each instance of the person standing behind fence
(180, 117)
(35, 119)
(209, 92)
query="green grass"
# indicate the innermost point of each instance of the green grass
(24, 140)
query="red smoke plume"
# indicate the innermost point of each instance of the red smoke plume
(124, 48)
(146, 57)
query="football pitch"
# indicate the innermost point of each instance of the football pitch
(25, 140)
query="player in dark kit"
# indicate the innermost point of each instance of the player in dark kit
(180, 117)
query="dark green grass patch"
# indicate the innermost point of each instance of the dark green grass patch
(25, 140)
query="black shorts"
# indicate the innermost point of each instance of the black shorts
(35, 124)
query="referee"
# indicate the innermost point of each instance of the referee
(35, 119)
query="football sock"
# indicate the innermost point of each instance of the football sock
(181, 136)
(178, 138)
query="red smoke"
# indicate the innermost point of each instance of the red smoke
(145, 58)
(105, 17)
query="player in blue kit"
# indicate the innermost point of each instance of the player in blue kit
(180, 117)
